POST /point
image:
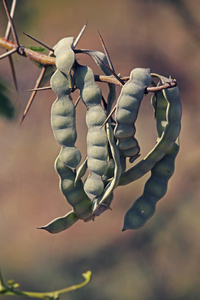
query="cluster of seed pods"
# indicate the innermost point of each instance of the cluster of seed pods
(110, 145)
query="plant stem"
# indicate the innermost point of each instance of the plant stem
(46, 60)
(6, 290)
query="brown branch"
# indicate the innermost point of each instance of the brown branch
(154, 89)
(46, 60)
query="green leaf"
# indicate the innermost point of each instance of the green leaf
(37, 48)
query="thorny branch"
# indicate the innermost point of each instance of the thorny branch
(46, 61)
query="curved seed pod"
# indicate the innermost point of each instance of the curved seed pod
(165, 142)
(117, 170)
(155, 189)
(156, 186)
(62, 223)
(110, 171)
(127, 108)
(63, 115)
(81, 170)
(74, 195)
(159, 104)
(96, 138)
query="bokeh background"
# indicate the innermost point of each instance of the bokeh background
(160, 260)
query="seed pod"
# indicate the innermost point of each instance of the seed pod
(165, 142)
(159, 104)
(65, 56)
(155, 189)
(116, 174)
(81, 170)
(103, 206)
(63, 115)
(96, 138)
(156, 186)
(96, 55)
(74, 194)
(128, 105)
(62, 223)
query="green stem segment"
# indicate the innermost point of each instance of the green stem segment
(9, 290)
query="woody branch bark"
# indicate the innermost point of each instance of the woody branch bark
(46, 61)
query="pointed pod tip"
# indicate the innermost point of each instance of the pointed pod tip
(125, 227)
(46, 228)
(42, 227)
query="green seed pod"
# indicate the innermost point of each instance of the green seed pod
(159, 104)
(155, 188)
(127, 144)
(124, 131)
(113, 182)
(71, 155)
(93, 185)
(62, 223)
(110, 171)
(128, 105)
(95, 116)
(63, 115)
(74, 194)
(65, 56)
(96, 138)
(166, 139)
(105, 205)
(81, 170)
(96, 55)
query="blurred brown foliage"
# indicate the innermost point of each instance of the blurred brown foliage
(159, 261)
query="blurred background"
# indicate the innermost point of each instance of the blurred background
(160, 260)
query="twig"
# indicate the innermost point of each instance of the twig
(33, 94)
(10, 52)
(110, 114)
(46, 60)
(79, 35)
(40, 89)
(170, 84)
(11, 24)
(114, 74)
(106, 52)
(13, 72)
(12, 11)
(6, 289)
(39, 42)
(6, 36)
